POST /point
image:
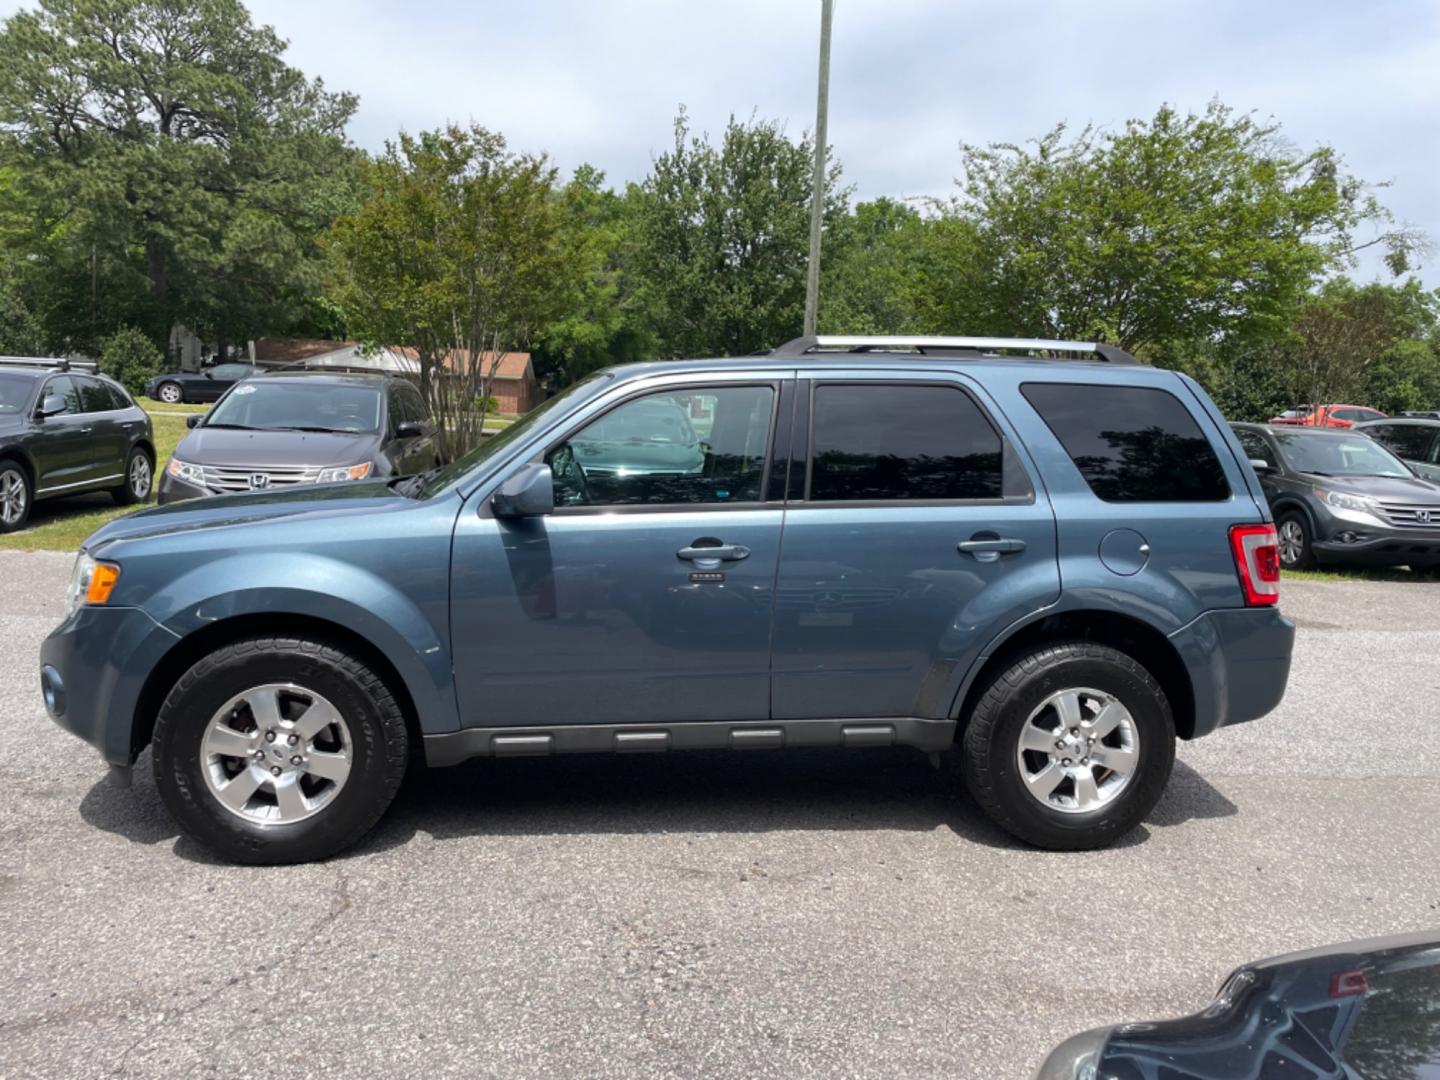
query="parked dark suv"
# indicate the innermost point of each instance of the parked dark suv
(65, 430)
(1414, 440)
(284, 428)
(1042, 571)
(1340, 497)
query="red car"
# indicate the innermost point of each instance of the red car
(1336, 416)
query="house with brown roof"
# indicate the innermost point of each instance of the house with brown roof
(515, 388)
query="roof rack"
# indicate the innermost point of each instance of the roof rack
(49, 363)
(334, 369)
(948, 346)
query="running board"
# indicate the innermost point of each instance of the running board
(457, 746)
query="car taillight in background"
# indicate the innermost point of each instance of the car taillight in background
(1348, 984)
(1257, 561)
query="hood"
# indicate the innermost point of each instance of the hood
(11, 422)
(1408, 489)
(231, 446)
(220, 511)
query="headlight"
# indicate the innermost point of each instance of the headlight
(91, 582)
(344, 472)
(183, 470)
(1359, 504)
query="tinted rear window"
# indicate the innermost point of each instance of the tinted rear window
(881, 442)
(1131, 443)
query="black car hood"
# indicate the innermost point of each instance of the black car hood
(1409, 489)
(233, 446)
(10, 423)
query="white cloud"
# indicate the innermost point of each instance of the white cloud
(599, 80)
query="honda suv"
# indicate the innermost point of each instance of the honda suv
(1042, 571)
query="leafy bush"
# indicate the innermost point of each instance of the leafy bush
(130, 358)
(489, 404)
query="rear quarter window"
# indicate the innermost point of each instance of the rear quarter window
(1131, 443)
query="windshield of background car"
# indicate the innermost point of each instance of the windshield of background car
(510, 435)
(288, 404)
(1338, 455)
(15, 391)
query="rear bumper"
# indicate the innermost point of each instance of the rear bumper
(1239, 663)
(93, 667)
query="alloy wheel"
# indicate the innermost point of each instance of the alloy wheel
(13, 496)
(276, 754)
(1078, 750)
(1292, 542)
(140, 477)
(170, 394)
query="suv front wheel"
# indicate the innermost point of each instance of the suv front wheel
(279, 750)
(1070, 746)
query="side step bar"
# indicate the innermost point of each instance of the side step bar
(457, 746)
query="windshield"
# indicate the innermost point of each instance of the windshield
(14, 392)
(448, 474)
(296, 404)
(1325, 454)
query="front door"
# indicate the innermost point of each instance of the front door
(646, 596)
(913, 536)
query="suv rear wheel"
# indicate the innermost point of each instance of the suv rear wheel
(279, 750)
(139, 478)
(1070, 747)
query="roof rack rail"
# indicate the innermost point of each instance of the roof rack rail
(51, 363)
(334, 369)
(948, 346)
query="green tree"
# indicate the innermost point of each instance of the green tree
(461, 251)
(720, 238)
(1179, 228)
(131, 358)
(873, 265)
(172, 157)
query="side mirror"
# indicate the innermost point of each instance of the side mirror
(1260, 465)
(409, 429)
(209, 374)
(53, 405)
(529, 493)
(193, 420)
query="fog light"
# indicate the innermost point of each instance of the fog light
(53, 689)
(1347, 537)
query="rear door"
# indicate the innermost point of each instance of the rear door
(109, 438)
(915, 531)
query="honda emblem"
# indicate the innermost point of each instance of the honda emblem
(259, 481)
(1422, 516)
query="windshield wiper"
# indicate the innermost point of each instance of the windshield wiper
(412, 486)
(237, 427)
(322, 430)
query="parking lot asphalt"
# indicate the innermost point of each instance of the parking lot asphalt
(820, 914)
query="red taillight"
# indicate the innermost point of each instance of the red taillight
(1257, 561)
(1348, 983)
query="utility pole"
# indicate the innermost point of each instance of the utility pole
(817, 186)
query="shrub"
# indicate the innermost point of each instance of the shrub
(130, 358)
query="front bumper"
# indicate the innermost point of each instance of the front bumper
(171, 489)
(1239, 664)
(1380, 547)
(93, 668)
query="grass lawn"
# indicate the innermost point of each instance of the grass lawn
(60, 524)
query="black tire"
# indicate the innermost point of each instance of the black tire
(379, 747)
(171, 393)
(138, 486)
(17, 495)
(990, 744)
(1298, 526)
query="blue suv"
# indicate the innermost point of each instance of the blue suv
(1041, 570)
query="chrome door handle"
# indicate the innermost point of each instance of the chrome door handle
(715, 553)
(990, 549)
(86, 430)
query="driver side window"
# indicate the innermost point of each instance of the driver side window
(701, 445)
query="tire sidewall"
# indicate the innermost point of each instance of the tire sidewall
(9, 465)
(1155, 731)
(1306, 558)
(179, 766)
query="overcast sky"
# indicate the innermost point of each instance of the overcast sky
(599, 80)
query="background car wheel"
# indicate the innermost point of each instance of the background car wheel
(279, 750)
(139, 479)
(1070, 747)
(170, 393)
(1295, 550)
(15, 496)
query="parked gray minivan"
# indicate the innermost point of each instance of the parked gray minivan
(1041, 570)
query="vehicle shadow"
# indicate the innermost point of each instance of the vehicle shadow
(605, 794)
